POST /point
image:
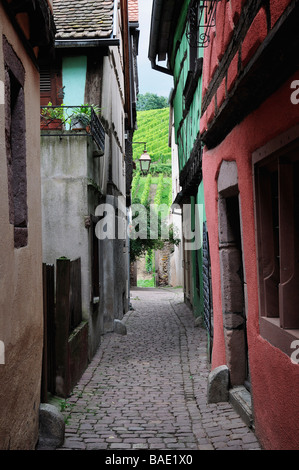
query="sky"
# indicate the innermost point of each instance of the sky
(150, 80)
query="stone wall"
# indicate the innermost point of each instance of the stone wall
(162, 265)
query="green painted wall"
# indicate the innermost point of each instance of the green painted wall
(74, 79)
(186, 133)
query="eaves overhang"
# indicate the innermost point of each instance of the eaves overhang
(41, 25)
(165, 14)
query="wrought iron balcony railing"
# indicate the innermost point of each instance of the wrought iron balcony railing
(72, 120)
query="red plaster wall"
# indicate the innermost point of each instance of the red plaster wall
(275, 379)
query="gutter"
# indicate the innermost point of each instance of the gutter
(154, 32)
(161, 69)
(60, 43)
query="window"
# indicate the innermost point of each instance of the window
(276, 176)
(15, 140)
(51, 89)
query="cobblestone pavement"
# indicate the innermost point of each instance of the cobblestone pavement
(147, 389)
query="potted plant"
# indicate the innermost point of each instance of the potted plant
(81, 116)
(52, 117)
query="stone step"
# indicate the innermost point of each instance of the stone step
(240, 398)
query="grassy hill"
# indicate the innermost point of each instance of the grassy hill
(153, 127)
(156, 187)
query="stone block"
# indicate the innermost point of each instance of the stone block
(231, 274)
(241, 401)
(228, 179)
(120, 328)
(235, 355)
(51, 427)
(218, 385)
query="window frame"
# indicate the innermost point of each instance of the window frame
(272, 326)
(15, 142)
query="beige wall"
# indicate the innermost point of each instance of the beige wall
(21, 314)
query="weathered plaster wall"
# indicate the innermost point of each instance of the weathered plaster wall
(112, 106)
(67, 167)
(113, 185)
(21, 309)
(64, 202)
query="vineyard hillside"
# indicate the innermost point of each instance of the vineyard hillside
(153, 127)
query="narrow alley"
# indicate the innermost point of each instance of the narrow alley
(147, 389)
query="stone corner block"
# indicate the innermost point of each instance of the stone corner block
(218, 385)
(51, 427)
(198, 322)
(119, 327)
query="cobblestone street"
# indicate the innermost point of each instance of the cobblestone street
(147, 389)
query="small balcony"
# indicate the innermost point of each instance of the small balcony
(73, 120)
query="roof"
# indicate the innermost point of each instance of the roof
(133, 11)
(83, 19)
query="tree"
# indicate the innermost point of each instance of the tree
(140, 245)
(151, 101)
